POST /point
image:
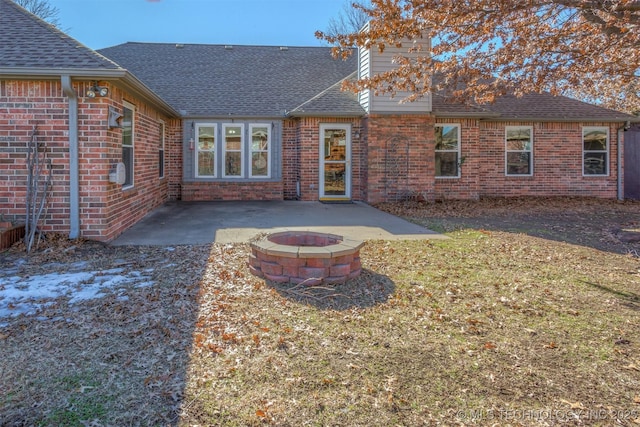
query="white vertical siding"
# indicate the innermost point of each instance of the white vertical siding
(371, 62)
(364, 69)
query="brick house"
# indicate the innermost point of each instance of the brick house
(130, 127)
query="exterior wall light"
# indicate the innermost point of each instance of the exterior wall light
(96, 90)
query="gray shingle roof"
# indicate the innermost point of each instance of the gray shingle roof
(332, 101)
(249, 81)
(544, 106)
(26, 41)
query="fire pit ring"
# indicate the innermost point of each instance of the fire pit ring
(306, 257)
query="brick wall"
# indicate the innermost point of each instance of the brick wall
(400, 153)
(209, 191)
(308, 133)
(290, 159)
(105, 209)
(557, 158)
(468, 185)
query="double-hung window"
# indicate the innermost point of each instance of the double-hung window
(595, 151)
(234, 150)
(260, 150)
(447, 150)
(519, 150)
(206, 150)
(128, 114)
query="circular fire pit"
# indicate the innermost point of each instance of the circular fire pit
(306, 257)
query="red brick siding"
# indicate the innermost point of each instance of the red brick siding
(173, 158)
(557, 157)
(467, 186)
(290, 159)
(309, 164)
(203, 191)
(105, 209)
(400, 153)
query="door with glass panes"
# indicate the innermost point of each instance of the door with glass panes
(335, 161)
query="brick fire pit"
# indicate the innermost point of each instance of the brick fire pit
(306, 256)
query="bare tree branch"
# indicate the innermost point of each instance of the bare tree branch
(42, 9)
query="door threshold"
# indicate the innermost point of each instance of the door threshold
(329, 201)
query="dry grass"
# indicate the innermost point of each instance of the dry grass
(492, 327)
(491, 322)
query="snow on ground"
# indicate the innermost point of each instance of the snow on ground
(28, 295)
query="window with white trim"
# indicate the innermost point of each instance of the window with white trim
(519, 150)
(595, 150)
(161, 151)
(447, 151)
(206, 150)
(128, 114)
(233, 150)
(260, 160)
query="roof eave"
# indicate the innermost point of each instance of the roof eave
(33, 73)
(612, 119)
(293, 114)
(466, 115)
(119, 77)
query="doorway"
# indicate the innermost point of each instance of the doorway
(335, 162)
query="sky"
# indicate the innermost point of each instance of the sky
(103, 23)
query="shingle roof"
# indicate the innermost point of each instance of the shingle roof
(529, 107)
(26, 41)
(330, 101)
(544, 106)
(250, 81)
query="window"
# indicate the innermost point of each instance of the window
(595, 150)
(161, 152)
(238, 151)
(206, 150)
(233, 148)
(519, 150)
(127, 142)
(260, 141)
(447, 151)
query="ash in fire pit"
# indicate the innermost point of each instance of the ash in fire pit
(306, 257)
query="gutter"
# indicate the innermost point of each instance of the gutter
(119, 77)
(74, 170)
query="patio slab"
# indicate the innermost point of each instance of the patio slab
(184, 223)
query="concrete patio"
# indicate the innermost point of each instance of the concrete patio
(182, 223)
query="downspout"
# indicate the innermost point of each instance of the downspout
(74, 188)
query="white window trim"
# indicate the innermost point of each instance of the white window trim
(214, 149)
(507, 151)
(131, 107)
(459, 151)
(269, 150)
(607, 160)
(242, 128)
(163, 132)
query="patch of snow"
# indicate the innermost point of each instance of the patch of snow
(28, 295)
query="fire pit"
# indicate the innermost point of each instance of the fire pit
(306, 257)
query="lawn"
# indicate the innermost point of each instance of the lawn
(491, 327)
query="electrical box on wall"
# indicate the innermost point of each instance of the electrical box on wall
(119, 174)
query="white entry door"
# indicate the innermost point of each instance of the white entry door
(335, 161)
